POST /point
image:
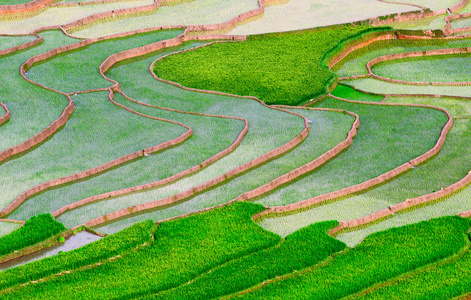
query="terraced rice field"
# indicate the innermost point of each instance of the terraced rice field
(326, 162)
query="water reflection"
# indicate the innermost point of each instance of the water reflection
(80, 239)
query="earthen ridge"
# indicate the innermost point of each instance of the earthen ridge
(372, 182)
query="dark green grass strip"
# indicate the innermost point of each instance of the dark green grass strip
(183, 249)
(347, 92)
(284, 68)
(380, 257)
(35, 230)
(301, 249)
(107, 247)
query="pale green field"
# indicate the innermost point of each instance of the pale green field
(191, 13)
(7, 227)
(268, 129)
(461, 23)
(63, 15)
(388, 137)
(448, 68)
(32, 108)
(302, 14)
(455, 107)
(11, 41)
(433, 5)
(436, 22)
(355, 63)
(378, 86)
(327, 129)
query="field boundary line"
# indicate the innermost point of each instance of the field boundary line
(167, 180)
(6, 117)
(306, 204)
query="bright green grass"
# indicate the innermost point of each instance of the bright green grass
(7, 227)
(355, 62)
(11, 41)
(378, 258)
(441, 281)
(281, 68)
(35, 230)
(268, 130)
(78, 70)
(303, 14)
(190, 13)
(411, 130)
(301, 249)
(32, 108)
(96, 133)
(448, 68)
(183, 249)
(347, 92)
(62, 15)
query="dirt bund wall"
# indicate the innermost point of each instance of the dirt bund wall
(292, 175)
(22, 46)
(41, 136)
(407, 204)
(348, 191)
(7, 114)
(370, 64)
(157, 3)
(97, 170)
(168, 180)
(180, 197)
(19, 8)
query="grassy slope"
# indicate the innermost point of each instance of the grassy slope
(191, 245)
(11, 41)
(380, 257)
(301, 249)
(346, 92)
(281, 69)
(371, 153)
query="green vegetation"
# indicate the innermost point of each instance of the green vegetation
(441, 281)
(380, 257)
(347, 92)
(301, 249)
(448, 68)
(276, 68)
(107, 247)
(183, 249)
(35, 230)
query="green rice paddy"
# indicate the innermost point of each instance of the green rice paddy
(7, 227)
(11, 41)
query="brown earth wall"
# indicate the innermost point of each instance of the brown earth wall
(180, 197)
(7, 114)
(22, 46)
(102, 168)
(409, 203)
(396, 56)
(290, 176)
(168, 180)
(305, 204)
(8, 9)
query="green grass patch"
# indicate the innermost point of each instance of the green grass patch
(347, 92)
(277, 68)
(183, 249)
(380, 257)
(35, 230)
(11, 41)
(301, 249)
(100, 250)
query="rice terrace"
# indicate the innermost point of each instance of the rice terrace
(215, 149)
